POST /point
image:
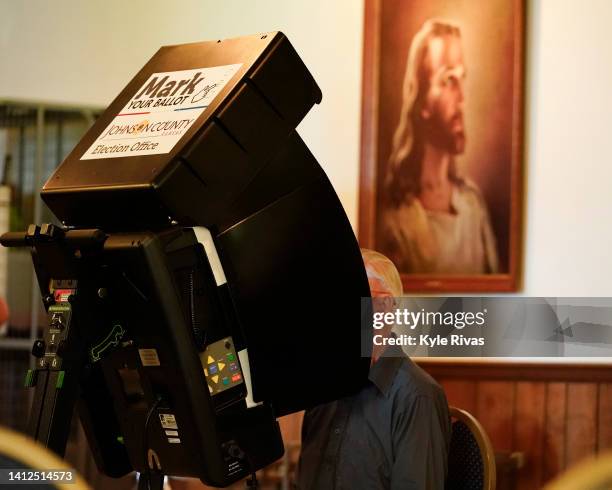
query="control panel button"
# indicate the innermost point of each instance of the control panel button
(221, 366)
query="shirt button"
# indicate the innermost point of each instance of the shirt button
(337, 431)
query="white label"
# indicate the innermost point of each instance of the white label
(148, 357)
(168, 421)
(173, 433)
(160, 112)
(243, 355)
(204, 236)
(174, 440)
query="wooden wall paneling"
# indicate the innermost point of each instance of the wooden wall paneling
(581, 421)
(570, 405)
(604, 423)
(554, 430)
(495, 411)
(529, 429)
(460, 394)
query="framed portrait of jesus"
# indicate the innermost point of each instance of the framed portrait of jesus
(441, 178)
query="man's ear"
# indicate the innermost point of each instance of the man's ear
(388, 303)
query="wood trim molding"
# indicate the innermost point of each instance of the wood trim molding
(516, 371)
(369, 129)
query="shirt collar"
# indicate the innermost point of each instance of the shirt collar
(383, 371)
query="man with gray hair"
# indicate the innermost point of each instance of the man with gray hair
(393, 434)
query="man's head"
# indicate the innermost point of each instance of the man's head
(385, 285)
(432, 98)
(383, 277)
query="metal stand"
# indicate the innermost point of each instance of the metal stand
(151, 480)
(251, 482)
(56, 375)
(61, 353)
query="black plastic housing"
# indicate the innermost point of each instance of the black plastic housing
(292, 263)
(218, 157)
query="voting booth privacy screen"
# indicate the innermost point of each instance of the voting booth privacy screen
(182, 350)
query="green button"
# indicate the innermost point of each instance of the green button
(60, 379)
(225, 381)
(29, 379)
(230, 357)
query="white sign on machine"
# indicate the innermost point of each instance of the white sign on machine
(160, 112)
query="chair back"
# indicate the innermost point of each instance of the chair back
(20, 451)
(593, 473)
(471, 459)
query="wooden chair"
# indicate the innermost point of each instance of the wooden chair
(594, 473)
(18, 450)
(471, 459)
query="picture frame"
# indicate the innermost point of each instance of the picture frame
(461, 230)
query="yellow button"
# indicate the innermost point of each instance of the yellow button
(215, 378)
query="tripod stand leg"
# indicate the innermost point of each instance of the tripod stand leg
(252, 483)
(60, 363)
(151, 480)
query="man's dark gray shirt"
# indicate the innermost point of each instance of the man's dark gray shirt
(394, 434)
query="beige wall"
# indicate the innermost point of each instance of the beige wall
(84, 52)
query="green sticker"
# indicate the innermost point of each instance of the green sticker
(111, 340)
